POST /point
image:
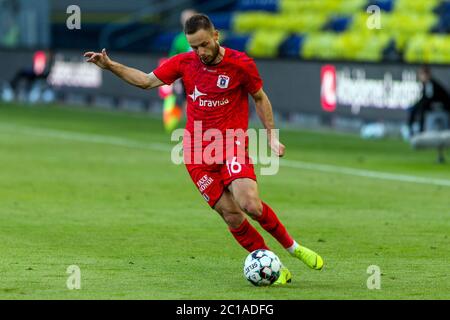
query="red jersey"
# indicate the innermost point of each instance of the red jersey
(217, 95)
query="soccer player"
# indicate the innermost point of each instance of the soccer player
(180, 43)
(174, 99)
(217, 83)
(432, 91)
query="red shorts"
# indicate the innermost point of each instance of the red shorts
(212, 180)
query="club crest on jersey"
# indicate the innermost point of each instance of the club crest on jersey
(223, 81)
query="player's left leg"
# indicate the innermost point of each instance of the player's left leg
(245, 193)
(247, 236)
(244, 233)
(209, 182)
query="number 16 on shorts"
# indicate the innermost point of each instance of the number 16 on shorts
(233, 166)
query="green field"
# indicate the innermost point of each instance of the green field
(97, 189)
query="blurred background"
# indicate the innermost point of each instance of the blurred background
(342, 64)
(86, 175)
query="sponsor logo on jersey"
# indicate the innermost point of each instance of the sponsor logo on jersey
(196, 94)
(204, 183)
(206, 102)
(209, 70)
(223, 81)
(213, 103)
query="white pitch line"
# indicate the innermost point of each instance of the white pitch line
(128, 143)
(364, 173)
(85, 137)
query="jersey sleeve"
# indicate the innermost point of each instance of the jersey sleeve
(169, 70)
(252, 79)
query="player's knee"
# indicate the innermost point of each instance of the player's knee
(253, 207)
(233, 219)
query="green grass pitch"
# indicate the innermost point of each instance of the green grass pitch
(80, 187)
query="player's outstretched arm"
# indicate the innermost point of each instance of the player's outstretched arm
(264, 111)
(132, 76)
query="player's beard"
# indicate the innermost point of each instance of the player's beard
(216, 52)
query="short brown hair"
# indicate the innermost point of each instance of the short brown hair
(198, 22)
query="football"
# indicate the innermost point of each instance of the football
(262, 267)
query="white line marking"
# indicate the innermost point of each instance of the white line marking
(86, 137)
(122, 142)
(364, 173)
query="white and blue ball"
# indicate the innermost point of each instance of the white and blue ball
(262, 267)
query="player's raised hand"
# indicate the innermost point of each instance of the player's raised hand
(101, 59)
(277, 146)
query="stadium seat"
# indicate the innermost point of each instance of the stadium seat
(385, 5)
(236, 41)
(255, 21)
(319, 45)
(443, 25)
(419, 6)
(266, 43)
(347, 46)
(291, 46)
(428, 49)
(322, 6)
(222, 21)
(337, 29)
(443, 8)
(258, 5)
(338, 23)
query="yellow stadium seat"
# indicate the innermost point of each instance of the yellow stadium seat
(266, 43)
(324, 6)
(429, 49)
(408, 24)
(295, 23)
(320, 45)
(419, 6)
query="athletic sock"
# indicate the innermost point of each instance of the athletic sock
(292, 248)
(270, 222)
(248, 237)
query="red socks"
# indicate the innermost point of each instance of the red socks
(270, 222)
(248, 237)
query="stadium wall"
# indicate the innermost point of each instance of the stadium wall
(366, 92)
